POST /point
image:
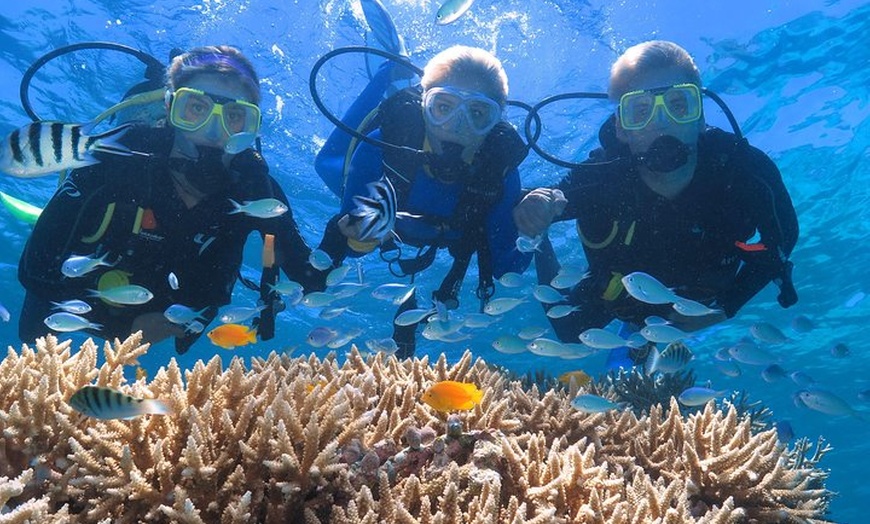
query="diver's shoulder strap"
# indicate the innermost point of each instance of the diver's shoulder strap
(401, 122)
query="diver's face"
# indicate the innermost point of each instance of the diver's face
(214, 132)
(639, 140)
(463, 112)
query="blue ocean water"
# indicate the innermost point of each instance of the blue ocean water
(795, 74)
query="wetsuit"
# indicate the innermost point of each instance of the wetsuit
(431, 205)
(701, 243)
(128, 208)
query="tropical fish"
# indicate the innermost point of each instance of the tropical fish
(748, 352)
(79, 307)
(698, 396)
(46, 147)
(181, 314)
(172, 279)
(802, 324)
(394, 292)
(412, 316)
(579, 377)
(827, 403)
(547, 295)
(348, 289)
(287, 288)
(601, 339)
(509, 344)
(80, 265)
(321, 336)
(588, 403)
(382, 345)
(562, 310)
(451, 10)
(229, 336)
(647, 289)
(337, 275)
(263, 208)
(375, 213)
(439, 329)
(329, 313)
(528, 244)
(67, 322)
(662, 333)
(567, 278)
(342, 339)
(320, 260)
(382, 26)
(479, 320)
(670, 360)
(511, 279)
(690, 308)
(531, 332)
(802, 379)
(729, 368)
(767, 332)
(109, 404)
(449, 395)
(500, 306)
(547, 347)
(773, 373)
(129, 295)
(236, 314)
(840, 350)
(318, 299)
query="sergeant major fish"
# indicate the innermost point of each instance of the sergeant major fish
(109, 404)
(42, 148)
(375, 213)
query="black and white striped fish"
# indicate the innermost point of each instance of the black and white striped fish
(376, 213)
(108, 404)
(670, 360)
(42, 148)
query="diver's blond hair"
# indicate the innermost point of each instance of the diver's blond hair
(467, 62)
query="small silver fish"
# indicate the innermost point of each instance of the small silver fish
(172, 279)
(748, 352)
(826, 402)
(342, 339)
(80, 265)
(729, 368)
(42, 148)
(109, 404)
(65, 322)
(698, 396)
(562, 310)
(286, 288)
(412, 316)
(319, 260)
(129, 295)
(767, 332)
(773, 373)
(690, 308)
(181, 314)
(318, 299)
(509, 345)
(394, 292)
(79, 307)
(500, 306)
(647, 289)
(382, 345)
(531, 332)
(592, 404)
(662, 333)
(321, 336)
(375, 213)
(802, 324)
(239, 314)
(511, 279)
(479, 320)
(547, 295)
(528, 244)
(547, 347)
(567, 278)
(329, 313)
(337, 275)
(601, 339)
(263, 208)
(452, 10)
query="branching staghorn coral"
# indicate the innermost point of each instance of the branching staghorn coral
(311, 441)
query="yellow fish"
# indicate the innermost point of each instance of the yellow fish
(229, 336)
(579, 377)
(448, 395)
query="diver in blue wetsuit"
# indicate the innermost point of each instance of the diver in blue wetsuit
(697, 208)
(454, 171)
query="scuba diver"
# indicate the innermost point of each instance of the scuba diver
(452, 161)
(166, 226)
(696, 207)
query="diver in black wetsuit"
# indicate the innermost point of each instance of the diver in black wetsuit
(670, 197)
(170, 212)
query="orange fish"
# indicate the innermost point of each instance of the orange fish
(448, 395)
(229, 336)
(579, 377)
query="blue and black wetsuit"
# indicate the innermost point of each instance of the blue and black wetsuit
(695, 243)
(439, 213)
(128, 208)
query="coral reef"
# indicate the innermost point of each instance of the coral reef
(308, 440)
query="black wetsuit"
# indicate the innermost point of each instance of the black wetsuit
(128, 207)
(693, 243)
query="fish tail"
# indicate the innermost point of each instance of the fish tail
(155, 406)
(652, 362)
(252, 335)
(95, 293)
(237, 208)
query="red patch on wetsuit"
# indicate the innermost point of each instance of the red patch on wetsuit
(750, 247)
(149, 221)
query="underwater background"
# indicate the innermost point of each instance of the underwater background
(795, 74)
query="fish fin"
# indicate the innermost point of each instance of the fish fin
(652, 362)
(252, 335)
(155, 406)
(237, 208)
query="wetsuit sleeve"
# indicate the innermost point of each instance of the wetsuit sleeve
(502, 231)
(330, 160)
(75, 207)
(778, 228)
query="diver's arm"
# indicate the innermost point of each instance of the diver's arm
(502, 232)
(778, 228)
(330, 160)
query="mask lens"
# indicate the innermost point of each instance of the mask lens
(682, 104)
(190, 110)
(444, 104)
(241, 118)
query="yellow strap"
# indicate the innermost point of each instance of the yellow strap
(614, 287)
(604, 243)
(362, 247)
(135, 100)
(98, 234)
(630, 235)
(137, 223)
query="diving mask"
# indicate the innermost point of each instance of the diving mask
(681, 103)
(191, 109)
(444, 104)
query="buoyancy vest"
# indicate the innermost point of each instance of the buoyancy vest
(401, 124)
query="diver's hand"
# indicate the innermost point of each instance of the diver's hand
(689, 324)
(537, 210)
(350, 228)
(156, 327)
